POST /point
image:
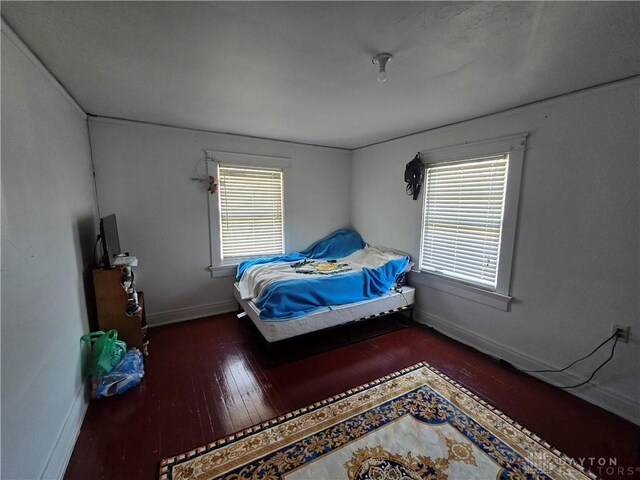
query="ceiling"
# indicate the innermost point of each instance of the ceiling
(302, 71)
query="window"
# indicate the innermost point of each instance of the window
(463, 212)
(247, 214)
(469, 216)
(251, 211)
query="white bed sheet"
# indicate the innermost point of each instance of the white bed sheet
(328, 317)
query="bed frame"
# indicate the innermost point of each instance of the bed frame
(272, 348)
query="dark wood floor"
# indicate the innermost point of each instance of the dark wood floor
(208, 378)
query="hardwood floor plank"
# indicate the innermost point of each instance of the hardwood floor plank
(231, 397)
(208, 378)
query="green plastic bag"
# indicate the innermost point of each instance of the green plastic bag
(106, 351)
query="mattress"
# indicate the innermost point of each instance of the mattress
(328, 317)
(289, 289)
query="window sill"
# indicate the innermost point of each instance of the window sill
(228, 270)
(469, 292)
(229, 267)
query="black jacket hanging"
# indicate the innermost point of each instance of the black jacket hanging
(414, 176)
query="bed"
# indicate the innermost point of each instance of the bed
(336, 281)
(332, 316)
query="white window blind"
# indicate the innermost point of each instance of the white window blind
(251, 211)
(463, 218)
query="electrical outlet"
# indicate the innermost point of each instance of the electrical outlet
(624, 337)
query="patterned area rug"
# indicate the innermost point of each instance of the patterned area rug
(413, 424)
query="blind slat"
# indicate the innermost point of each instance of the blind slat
(478, 242)
(476, 262)
(456, 269)
(466, 246)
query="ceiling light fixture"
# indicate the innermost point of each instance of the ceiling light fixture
(382, 59)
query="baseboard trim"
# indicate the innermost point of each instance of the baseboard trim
(66, 441)
(191, 313)
(593, 392)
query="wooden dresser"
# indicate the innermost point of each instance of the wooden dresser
(111, 301)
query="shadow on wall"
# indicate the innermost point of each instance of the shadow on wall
(85, 235)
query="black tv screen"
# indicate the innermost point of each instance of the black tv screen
(110, 240)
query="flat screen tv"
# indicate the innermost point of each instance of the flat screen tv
(110, 240)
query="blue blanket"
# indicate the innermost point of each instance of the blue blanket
(339, 244)
(293, 298)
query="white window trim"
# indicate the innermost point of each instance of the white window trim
(218, 267)
(515, 146)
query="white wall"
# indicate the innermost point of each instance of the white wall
(143, 173)
(48, 229)
(576, 266)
